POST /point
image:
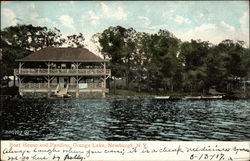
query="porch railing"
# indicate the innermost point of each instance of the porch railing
(38, 71)
(38, 85)
(53, 86)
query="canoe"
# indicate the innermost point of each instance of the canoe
(192, 97)
(162, 97)
(211, 97)
(203, 97)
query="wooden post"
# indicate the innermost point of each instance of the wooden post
(77, 65)
(103, 94)
(105, 78)
(105, 70)
(14, 80)
(20, 87)
(77, 87)
(49, 90)
(104, 82)
(102, 86)
(20, 67)
(48, 64)
(20, 83)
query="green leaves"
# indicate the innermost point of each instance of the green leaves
(154, 60)
(20, 40)
(137, 54)
(75, 40)
(31, 38)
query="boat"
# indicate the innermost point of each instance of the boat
(211, 97)
(162, 97)
(203, 97)
(192, 97)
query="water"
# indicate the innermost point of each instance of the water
(126, 119)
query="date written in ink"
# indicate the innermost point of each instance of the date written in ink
(217, 157)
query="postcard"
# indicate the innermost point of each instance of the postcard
(125, 80)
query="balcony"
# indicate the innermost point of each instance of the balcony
(61, 72)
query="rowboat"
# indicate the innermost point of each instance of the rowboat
(211, 97)
(192, 97)
(162, 97)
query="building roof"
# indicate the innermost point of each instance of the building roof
(63, 55)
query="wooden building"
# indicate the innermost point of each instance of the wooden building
(62, 72)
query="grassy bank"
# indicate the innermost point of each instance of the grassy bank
(124, 92)
(129, 93)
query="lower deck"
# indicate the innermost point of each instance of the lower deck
(42, 90)
(62, 86)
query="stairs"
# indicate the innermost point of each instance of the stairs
(61, 92)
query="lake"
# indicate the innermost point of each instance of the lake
(126, 119)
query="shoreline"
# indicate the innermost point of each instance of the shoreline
(12, 93)
(155, 97)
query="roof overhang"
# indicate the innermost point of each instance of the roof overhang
(88, 61)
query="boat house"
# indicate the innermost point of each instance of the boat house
(62, 72)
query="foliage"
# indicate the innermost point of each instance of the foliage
(119, 44)
(20, 40)
(160, 61)
(151, 62)
(75, 40)
(31, 38)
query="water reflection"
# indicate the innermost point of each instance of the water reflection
(125, 119)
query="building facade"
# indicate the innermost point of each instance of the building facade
(62, 72)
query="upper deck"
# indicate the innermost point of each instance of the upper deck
(61, 72)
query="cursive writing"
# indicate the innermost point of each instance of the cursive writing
(98, 151)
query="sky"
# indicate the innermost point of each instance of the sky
(211, 21)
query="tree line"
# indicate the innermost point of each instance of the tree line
(145, 61)
(162, 61)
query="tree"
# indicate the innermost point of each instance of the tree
(31, 38)
(160, 50)
(118, 44)
(216, 70)
(9, 55)
(234, 62)
(50, 37)
(194, 56)
(75, 40)
(20, 40)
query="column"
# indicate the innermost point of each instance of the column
(104, 88)
(104, 81)
(49, 90)
(48, 64)
(77, 87)
(104, 66)
(19, 78)
(77, 64)
(20, 86)
(20, 67)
